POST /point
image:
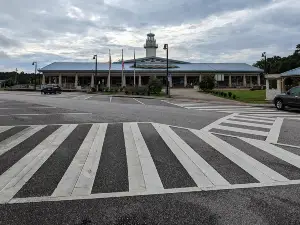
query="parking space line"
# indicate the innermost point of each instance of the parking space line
(139, 101)
(88, 97)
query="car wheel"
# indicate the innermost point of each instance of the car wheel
(279, 104)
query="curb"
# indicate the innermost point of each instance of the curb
(138, 96)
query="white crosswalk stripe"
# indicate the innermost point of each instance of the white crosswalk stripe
(14, 178)
(144, 176)
(16, 139)
(240, 109)
(81, 173)
(240, 125)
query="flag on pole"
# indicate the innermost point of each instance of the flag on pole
(122, 61)
(109, 60)
(134, 69)
(134, 59)
(108, 78)
(123, 78)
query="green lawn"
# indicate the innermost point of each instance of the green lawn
(248, 96)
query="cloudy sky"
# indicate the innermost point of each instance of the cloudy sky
(196, 30)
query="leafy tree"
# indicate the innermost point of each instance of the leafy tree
(297, 51)
(277, 64)
(207, 83)
(154, 85)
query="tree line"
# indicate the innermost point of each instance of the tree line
(13, 78)
(277, 64)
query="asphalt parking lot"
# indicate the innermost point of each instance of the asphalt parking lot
(90, 144)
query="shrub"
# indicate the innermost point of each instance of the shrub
(129, 90)
(229, 94)
(207, 83)
(222, 93)
(142, 90)
(225, 95)
(234, 96)
(154, 86)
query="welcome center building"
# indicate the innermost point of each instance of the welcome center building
(81, 75)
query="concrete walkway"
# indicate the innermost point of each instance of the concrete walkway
(193, 94)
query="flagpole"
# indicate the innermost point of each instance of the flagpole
(108, 79)
(134, 70)
(123, 83)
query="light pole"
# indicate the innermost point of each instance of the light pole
(95, 57)
(166, 47)
(34, 64)
(264, 55)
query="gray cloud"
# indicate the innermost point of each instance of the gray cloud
(196, 30)
(6, 42)
(3, 55)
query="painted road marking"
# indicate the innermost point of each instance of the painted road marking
(81, 173)
(45, 114)
(5, 128)
(135, 173)
(248, 124)
(151, 177)
(275, 131)
(190, 159)
(251, 120)
(13, 179)
(254, 117)
(143, 178)
(139, 101)
(241, 130)
(16, 139)
(280, 153)
(256, 169)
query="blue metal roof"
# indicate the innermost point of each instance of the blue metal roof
(189, 67)
(293, 72)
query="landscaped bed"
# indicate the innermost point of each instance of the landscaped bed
(248, 96)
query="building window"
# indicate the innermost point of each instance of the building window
(272, 84)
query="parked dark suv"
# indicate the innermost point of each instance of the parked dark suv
(51, 89)
(290, 98)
